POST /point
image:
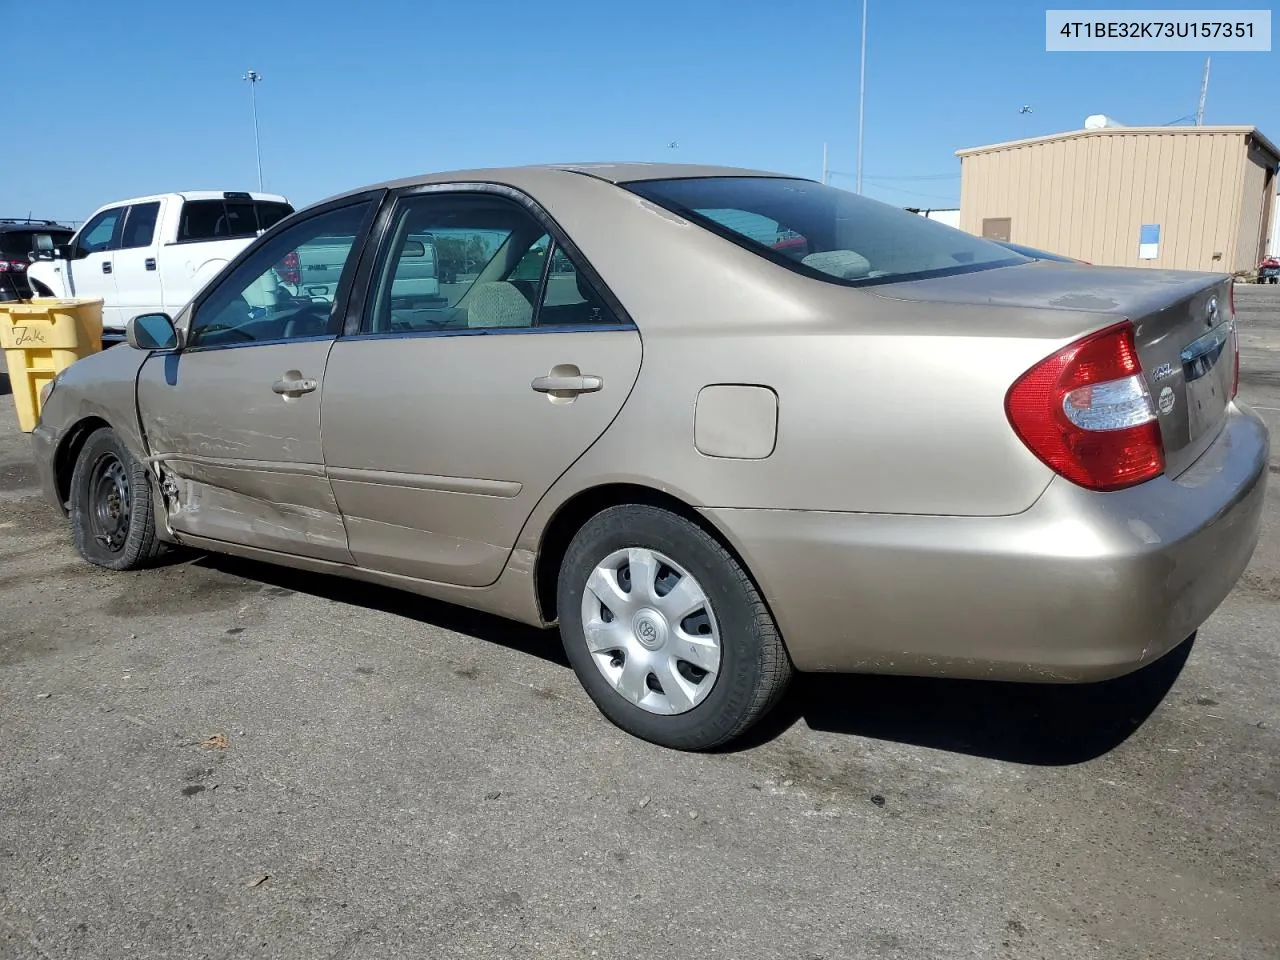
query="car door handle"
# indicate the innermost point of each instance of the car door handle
(106, 266)
(150, 263)
(294, 387)
(571, 385)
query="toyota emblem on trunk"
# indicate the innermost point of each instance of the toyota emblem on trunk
(1211, 312)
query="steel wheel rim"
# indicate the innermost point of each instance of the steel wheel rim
(650, 631)
(109, 502)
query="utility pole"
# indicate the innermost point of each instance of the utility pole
(254, 78)
(1204, 92)
(824, 162)
(862, 88)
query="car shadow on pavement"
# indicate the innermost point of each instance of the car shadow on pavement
(1030, 723)
(544, 644)
(5, 387)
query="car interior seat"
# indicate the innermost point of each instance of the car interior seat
(845, 264)
(498, 304)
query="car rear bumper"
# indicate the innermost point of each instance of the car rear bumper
(1082, 586)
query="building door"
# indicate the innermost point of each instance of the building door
(1269, 207)
(996, 228)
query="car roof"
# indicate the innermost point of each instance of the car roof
(531, 175)
(35, 226)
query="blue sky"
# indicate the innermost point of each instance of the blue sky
(128, 98)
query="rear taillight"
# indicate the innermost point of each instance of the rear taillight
(1086, 412)
(14, 266)
(1235, 374)
(1235, 341)
(288, 268)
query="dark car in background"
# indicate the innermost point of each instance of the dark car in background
(20, 240)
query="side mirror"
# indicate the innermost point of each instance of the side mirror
(151, 331)
(413, 248)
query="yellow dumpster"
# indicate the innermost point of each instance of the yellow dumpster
(42, 337)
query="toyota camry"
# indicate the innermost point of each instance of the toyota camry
(718, 425)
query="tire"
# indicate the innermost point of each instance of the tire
(112, 516)
(707, 708)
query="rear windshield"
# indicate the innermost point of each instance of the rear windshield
(224, 219)
(18, 243)
(824, 232)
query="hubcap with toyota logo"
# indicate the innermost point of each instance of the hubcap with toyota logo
(651, 631)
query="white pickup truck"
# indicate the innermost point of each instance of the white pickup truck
(153, 254)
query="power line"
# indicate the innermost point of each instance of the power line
(917, 193)
(914, 193)
(925, 176)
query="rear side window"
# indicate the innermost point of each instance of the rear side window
(823, 232)
(225, 219)
(18, 243)
(140, 225)
(476, 261)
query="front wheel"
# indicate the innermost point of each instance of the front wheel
(665, 630)
(112, 518)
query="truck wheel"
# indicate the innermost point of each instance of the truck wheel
(112, 518)
(666, 632)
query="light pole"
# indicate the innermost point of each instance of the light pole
(253, 76)
(862, 87)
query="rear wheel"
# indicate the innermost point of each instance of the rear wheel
(665, 630)
(112, 519)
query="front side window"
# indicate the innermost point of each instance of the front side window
(99, 232)
(266, 298)
(492, 266)
(140, 225)
(824, 232)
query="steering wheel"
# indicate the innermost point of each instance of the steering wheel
(311, 312)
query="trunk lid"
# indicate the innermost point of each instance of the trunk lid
(1184, 329)
(1187, 351)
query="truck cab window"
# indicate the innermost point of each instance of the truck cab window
(225, 219)
(140, 226)
(99, 232)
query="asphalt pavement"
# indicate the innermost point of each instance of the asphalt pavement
(220, 759)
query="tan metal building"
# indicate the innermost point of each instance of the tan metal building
(1195, 198)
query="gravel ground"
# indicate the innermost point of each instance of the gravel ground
(220, 759)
